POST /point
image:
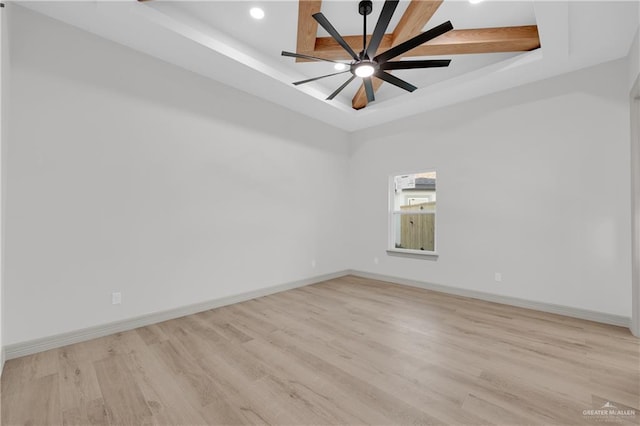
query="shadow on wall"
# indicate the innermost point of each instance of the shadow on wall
(71, 54)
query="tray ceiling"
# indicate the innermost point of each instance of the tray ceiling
(220, 40)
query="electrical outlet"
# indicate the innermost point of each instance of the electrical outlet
(376, 260)
(498, 277)
(116, 298)
(313, 263)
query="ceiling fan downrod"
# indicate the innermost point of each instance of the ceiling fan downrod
(364, 8)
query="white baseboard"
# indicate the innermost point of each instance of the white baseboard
(505, 300)
(39, 345)
(17, 350)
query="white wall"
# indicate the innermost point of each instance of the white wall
(128, 174)
(634, 53)
(4, 86)
(634, 96)
(634, 60)
(634, 100)
(633, 79)
(517, 174)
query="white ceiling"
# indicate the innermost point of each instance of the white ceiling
(219, 39)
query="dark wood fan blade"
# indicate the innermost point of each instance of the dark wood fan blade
(407, 65)
(381, 26)
(318, 78)
(311, 58)
(413, 42)
(392, 79)
(324, 22)
(339, 89)
(368, 87)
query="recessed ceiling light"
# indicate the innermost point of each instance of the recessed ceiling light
(340, 66)
(475, 1)
(256, 13)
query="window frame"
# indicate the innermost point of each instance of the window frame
(392, 213)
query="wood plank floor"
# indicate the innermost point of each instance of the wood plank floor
(346, 351)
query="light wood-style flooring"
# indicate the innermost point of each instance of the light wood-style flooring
(349, 351)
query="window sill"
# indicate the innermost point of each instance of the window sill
(416, 254)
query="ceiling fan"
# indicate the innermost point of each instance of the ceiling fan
(367, 64)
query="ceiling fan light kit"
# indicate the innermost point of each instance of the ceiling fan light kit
(367, 64)
(364, 69)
